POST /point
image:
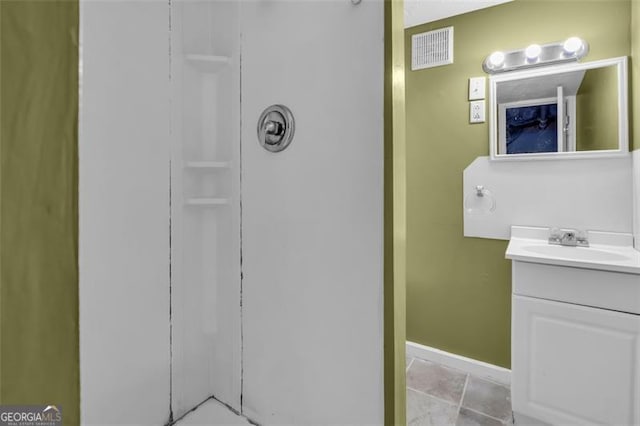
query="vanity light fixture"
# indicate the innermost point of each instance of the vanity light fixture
(572, 49)
(573, 45)
(496, 59)
(532, 52)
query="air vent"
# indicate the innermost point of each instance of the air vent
(432, 49)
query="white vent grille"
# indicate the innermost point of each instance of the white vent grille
(432, 49)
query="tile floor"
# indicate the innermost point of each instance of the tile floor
(442, 396)
(436, 396)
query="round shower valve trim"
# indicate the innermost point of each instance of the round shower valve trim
(276, 127)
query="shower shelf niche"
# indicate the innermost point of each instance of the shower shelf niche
(206, 201)
(205, 207)
(208, 63)
(205, 165)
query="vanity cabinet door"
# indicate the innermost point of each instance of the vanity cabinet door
(573, 364)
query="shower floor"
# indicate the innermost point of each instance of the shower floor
(212, 413)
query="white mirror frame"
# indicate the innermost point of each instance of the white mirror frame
(623, 115)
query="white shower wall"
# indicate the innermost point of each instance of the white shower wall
(288, 327)
(312, 215)
(205, 203)
(123, 213)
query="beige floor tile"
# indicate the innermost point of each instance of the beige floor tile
(423, 410)
(488, 398)
(436, 380)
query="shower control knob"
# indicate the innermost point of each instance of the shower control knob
(275, 128)
(274, 132)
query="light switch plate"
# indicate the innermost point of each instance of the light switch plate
(476, 112)
(477, 88)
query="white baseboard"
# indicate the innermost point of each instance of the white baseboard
(468, 365)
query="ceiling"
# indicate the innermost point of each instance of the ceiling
(539, 87)
(418, 12)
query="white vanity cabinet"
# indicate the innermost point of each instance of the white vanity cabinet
(575, 339)
(574, 364)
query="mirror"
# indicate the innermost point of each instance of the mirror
(560, 111)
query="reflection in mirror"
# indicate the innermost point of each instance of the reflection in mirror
(560, 111)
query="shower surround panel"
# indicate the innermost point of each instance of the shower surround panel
(123, 213)
(205, 204)
(208, 265)
(312, 215)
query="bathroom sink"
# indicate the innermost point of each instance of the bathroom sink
(576, 253)
(607, 251)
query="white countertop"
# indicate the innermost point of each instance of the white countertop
(608, 251)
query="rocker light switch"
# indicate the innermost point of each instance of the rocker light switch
(476, 112)
(476, 88)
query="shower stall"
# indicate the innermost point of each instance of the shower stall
(211, 267)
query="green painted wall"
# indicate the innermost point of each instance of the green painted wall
(634, 107)
(394, 216)
(38, 213)
(459, 289)
(597, 110)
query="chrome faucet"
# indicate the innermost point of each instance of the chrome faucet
(569, 238)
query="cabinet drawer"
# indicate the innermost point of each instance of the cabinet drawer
(609, 290)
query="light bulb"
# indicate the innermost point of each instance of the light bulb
(533, 51)
(572, 45)
(496, 59)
